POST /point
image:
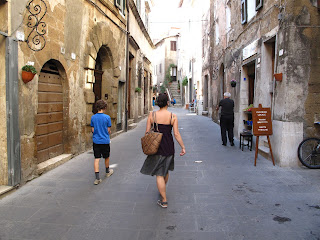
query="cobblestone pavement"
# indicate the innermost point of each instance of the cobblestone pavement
(224, 197)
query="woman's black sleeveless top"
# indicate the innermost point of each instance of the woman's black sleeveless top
(166, 147)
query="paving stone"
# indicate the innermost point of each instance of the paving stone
(224, 197)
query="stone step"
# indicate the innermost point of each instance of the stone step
(132, 126)
(5, 189)
(130, 121)
(264, 149)
(52, 163)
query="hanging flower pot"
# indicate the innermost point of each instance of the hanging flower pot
(27, 76)
(278, 76)
(233, 83)
(28, 73)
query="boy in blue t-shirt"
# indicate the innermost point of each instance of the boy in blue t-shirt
(101, 129)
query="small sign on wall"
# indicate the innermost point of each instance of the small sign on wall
(250, 50)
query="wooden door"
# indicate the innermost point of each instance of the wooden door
(129, 94)
(49, 130)
(251, 89)
(97, 88)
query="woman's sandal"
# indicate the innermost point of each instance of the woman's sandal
(162, 204)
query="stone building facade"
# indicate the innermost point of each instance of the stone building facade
(165, 54)
(80, 51)
(250, 42)
(140, 67)
(191, 51)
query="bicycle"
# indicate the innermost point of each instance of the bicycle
(309, 152)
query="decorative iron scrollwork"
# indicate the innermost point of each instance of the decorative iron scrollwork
(36, 40)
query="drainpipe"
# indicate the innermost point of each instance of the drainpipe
(127, 70)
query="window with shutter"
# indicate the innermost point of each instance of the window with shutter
(243, 11)
(173, 45)
(117, 3)
(138, 5)
(121, 4)
(259, 4)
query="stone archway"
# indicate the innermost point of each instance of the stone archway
(108, 45)
(102, 35)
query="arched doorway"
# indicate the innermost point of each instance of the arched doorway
(50, 115)
(97, 83)
(106, 85)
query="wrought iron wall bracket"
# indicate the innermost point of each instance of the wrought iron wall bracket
(36, 40)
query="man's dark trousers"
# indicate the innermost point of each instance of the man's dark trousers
(226, 124)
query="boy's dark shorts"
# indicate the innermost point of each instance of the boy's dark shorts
(101, 149)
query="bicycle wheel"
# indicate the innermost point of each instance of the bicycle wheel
(309, 152)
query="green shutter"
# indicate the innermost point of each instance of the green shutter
(259, 4)
(117, 3)
(243, 11)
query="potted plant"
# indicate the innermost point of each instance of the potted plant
(185, 81)
(28, 73)
(138, 90)
(233, 83)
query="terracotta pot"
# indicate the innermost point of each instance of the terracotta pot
(27, 76)
(278, 76)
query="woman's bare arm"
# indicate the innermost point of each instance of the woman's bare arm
(149, 122)
(177, 135)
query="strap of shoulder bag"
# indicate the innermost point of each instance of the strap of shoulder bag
(155, 121)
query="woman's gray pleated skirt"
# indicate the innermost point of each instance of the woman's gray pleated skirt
(158, 165)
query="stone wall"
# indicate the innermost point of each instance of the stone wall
(295, 99)
(75, 33)
(3, 114)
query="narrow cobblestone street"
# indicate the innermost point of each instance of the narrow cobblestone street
(224, 197)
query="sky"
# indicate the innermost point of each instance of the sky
(164, 14)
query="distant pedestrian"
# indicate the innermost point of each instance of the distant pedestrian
(226, 118)
(153, 101)
(101, 129)
(163, 161)
(173, 101)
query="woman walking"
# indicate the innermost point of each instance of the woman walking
(163, 161)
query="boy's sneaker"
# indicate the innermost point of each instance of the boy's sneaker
(109, 173)
(97, 181)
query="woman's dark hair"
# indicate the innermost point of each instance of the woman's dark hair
(162, 100)
(101, 104)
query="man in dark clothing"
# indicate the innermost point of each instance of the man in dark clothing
(226, 119)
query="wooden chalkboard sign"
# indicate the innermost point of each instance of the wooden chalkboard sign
(262, 126)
